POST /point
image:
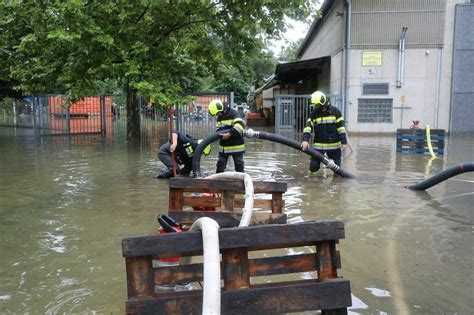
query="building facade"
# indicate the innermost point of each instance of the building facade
(397, 61)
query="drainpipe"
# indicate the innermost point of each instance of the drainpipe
(401, 57)
(347, 58)
(438, 82)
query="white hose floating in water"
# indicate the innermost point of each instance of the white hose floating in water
(249, 195)
(211, 298)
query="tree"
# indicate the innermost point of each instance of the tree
(152, 48)
(289, 52)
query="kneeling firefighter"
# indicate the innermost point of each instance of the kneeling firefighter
(231, 143)
(327, 124)
(183, 147)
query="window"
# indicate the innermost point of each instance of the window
(375, 89)
(375, 110)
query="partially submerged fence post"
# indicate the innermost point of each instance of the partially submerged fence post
(242, 294)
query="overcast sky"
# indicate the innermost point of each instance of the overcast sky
(294, 32)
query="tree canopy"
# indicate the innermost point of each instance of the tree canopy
(160, 49)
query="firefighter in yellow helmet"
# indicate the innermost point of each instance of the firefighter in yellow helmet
(183, 146)
(327, 125)
(231, 141)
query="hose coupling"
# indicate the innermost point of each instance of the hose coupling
(250, 133)
(331, 164)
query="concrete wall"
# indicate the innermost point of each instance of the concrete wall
(329, 42)
(330, 36)
(417, 93)
(419, 89)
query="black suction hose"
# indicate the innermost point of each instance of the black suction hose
(272, 137)
(443, 175)
(200, 148)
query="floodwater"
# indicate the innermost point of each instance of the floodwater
(66, 204)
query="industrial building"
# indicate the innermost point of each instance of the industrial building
(385, 63)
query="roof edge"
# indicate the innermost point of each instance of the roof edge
(325, 7)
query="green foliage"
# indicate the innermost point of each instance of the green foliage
(289, 52)
(161, 49)
(6, 106)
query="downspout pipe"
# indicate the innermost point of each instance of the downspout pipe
(347, 57)
(249, 133)
(401, 57)
(438, 82)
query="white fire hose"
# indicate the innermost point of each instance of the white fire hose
(211, 299)
(249, 195)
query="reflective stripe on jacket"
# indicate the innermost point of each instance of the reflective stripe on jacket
(231, 119)
(328, 128)
(185, 147)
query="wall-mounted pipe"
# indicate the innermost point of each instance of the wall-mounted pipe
(401, 57)
(347, 58)
(437, 87)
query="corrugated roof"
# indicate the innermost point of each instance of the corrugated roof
(292, 72)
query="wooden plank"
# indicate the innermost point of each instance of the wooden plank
(139, 277)
(228, 201)
(192, 201)
(326, 260)
(176, 199)
(235, 268)
(421, 144)
(277, 203)
(257, 203)
(253, 237)
(267, 266)
(217, 185)
(227, 219)
(271, 298)
(282, 264)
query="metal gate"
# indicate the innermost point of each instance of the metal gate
(48, 115)
(292, 111)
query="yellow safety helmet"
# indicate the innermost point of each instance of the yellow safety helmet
(318, 98)
(207, 149)
(214, 107)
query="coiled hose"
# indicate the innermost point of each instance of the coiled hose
(442, 176)
(249, 133)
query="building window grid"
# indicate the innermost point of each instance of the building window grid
(375, 110)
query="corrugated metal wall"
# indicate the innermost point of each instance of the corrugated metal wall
(462, 106)
(378, 23)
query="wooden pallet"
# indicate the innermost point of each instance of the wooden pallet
(185, 193)
(326, 292)
(413, 141)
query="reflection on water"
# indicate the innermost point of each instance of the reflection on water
(66, 204)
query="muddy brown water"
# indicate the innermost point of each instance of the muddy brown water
(66, 204)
